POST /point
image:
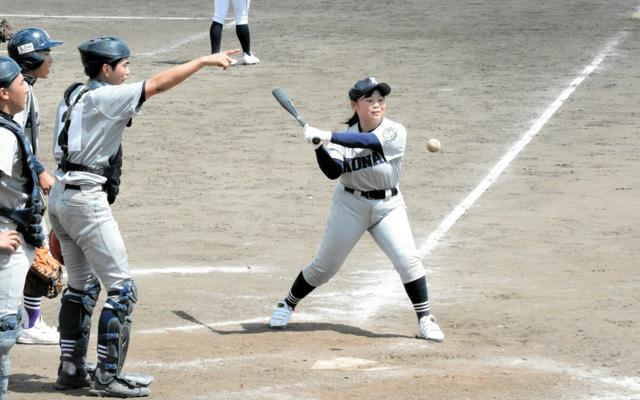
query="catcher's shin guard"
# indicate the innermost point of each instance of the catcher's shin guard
(10, 329)
(114, 331)
(75, 322)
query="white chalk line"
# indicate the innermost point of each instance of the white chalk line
(300, 317)
(542, 364)
(434, 238)
(187, 270)
(108, 17)
(173, 46)
(183, 42)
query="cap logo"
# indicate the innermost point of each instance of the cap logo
(373, 80)
(26, 48)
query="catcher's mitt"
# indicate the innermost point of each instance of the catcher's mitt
(6, 31)
(54, 247)
(45, 275)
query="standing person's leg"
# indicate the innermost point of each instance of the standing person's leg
(221, 8)
(345, 226)
(241, 14)
(86, 219)
(13, 270)
(78, 299)
(35, 330)
(393, 234)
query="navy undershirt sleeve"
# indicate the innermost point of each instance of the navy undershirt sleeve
(357, 140)
(331, 167)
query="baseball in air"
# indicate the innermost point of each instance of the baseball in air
(433, 145)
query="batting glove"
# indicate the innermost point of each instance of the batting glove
(310, 133)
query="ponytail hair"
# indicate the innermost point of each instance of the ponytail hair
(353, 120)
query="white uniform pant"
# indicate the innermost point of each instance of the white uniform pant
(90, 240)
(351, 215)
(13, 272)
(240, 11)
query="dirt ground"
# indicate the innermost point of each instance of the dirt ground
(535, 286)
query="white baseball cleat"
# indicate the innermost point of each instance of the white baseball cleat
(430, 330)
(249, 59)
(40, 333)
(281, 315)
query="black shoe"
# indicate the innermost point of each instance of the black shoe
(107, 384)
(65, 381)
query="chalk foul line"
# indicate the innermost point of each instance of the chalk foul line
(434, 238)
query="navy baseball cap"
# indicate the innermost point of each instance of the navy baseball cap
(9, 70)
(366, 86)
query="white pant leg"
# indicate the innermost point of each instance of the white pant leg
(89, 236)
(220, 10)
(13, 272)
(79, 273)
(347, 222)
(241, 11)
(392, 233)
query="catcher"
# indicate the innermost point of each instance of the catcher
(31, 49)
(91, 121)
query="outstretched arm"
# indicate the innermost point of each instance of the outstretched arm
(165, 80)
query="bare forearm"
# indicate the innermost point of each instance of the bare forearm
(165, 80)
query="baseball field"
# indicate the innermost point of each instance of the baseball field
(527, 218)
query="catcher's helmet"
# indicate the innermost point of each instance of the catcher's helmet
(24, 46)
(105, 50)
(9, 70)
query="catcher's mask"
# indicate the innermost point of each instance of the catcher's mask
(105, 50)
(9, 70)
(24, 47)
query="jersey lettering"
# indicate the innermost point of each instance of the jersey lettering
(364, 162)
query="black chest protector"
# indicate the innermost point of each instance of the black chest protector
(112, 172)
(29, 218)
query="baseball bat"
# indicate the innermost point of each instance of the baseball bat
(282, 98)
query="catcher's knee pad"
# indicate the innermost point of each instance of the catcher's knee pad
(75, 321)
(114, 328)
(10, 329)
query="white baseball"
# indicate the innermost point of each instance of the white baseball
(433, 145)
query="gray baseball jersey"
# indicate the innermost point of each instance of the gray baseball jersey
(366, 169)
(13, 185)
(97, 125)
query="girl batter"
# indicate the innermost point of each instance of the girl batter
(368, 160)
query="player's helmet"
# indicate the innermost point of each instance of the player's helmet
(24, 47)
(105, 50)
(9, 70)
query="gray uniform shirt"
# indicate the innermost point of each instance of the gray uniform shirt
(13, 185)
(97, 124)
(366, 169)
